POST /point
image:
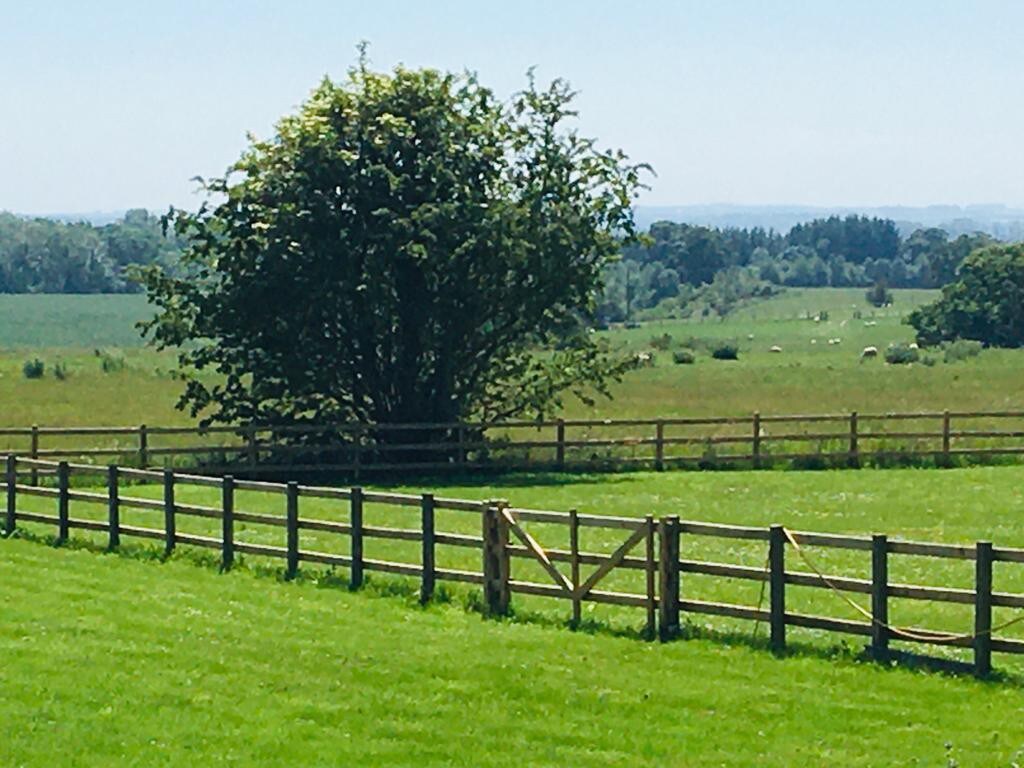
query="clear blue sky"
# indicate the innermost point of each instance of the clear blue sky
(107, 105)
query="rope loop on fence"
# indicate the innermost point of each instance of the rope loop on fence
(938, 638)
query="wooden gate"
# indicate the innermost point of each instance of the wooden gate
(577, 588)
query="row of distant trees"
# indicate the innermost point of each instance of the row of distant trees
(674, 264)
(45, 256)
(854, 251)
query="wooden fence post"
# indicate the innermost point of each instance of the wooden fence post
(292, 529)
(113, 508)
(946, 439)
(495, 561)
(427, 515)
(668, 575)
(574, 566)
(356, 551)
(250, 445)
(34, 455)
(227, 522)
(143, 446)
(659, 446)
(777, 584)
(983, 609)
(560, 448)
(461, 456)
(756, 443)
(170, 532)
(11, 478)
(854, 457)
(652, 579)
(357, 460)
(63, 477)
(880, 597)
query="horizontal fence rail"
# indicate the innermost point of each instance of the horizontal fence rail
(850, 439)
(508, 539)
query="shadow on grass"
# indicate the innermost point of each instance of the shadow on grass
(471, 601)
(511, 479)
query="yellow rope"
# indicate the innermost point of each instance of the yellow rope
(938, 638)
(760, 597)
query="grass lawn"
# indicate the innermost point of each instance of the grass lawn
(952, 506)
(108, 660)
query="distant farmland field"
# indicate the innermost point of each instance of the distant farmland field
(809, 375)
(40, 321)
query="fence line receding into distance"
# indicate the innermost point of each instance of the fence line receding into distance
(757, 440)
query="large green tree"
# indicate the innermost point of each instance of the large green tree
(985, 304)
(406, 247)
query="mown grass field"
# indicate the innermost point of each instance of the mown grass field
(108, 660)
(953, 506)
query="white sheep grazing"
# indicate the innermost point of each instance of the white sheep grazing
(868, 353)
(814, 341)
(776, 349)
(750, 337)
(913, 345)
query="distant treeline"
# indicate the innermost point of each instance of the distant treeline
(45, 256)
(681, 268)
(684, 265)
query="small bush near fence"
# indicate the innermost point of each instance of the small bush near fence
(684, 357)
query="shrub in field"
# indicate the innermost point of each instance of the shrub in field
(962, 350)
(111, 363)
(929, 360)
(902, 354)
(684, 357)
(727, 350)
(34, 369)
(662, 343)
(60, 370)
(879, 295)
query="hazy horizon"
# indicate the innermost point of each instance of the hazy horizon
(737, 103)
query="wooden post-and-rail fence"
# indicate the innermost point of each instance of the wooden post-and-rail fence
(759, 440)
(507, 537)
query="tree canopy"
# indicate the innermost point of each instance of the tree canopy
(985, 304)
(405, 248)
